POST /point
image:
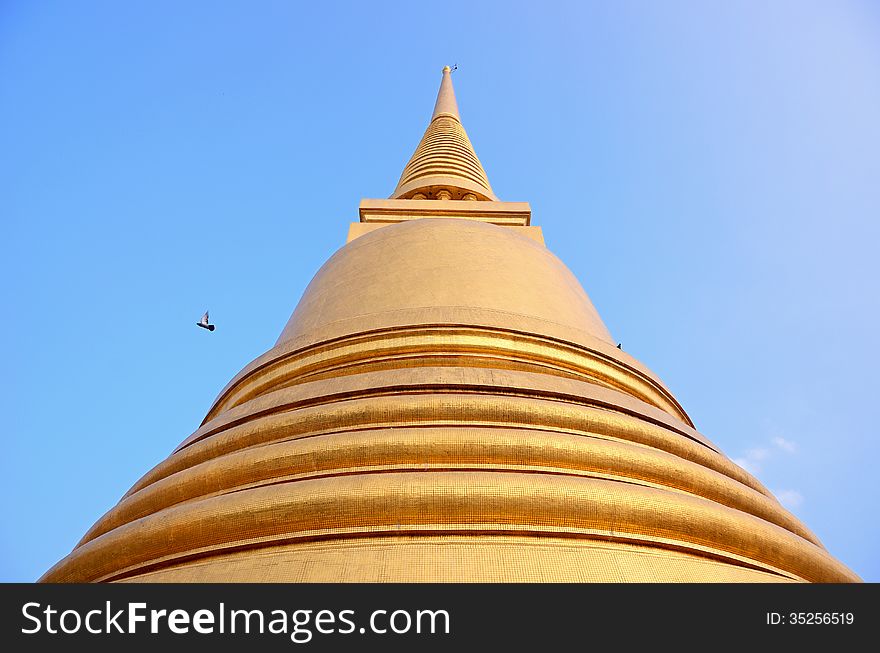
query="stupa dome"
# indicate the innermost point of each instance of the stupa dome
(444, 271)
(446, 404)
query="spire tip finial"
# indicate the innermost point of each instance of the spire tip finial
(446, 104)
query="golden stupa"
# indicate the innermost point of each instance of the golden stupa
(445, 404)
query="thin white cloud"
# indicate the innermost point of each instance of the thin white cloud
(785, 445)
(758, 454)
(754, 459)
(790, 498)
(746, 465)
(775, 449)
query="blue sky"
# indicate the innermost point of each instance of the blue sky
(710, 171)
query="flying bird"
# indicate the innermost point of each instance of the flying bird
(204, 322)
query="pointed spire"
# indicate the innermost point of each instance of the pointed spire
(446, 104)
(444, 165)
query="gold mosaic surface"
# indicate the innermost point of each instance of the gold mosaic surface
(426, 451)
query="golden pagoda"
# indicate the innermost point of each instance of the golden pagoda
(445, 404)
